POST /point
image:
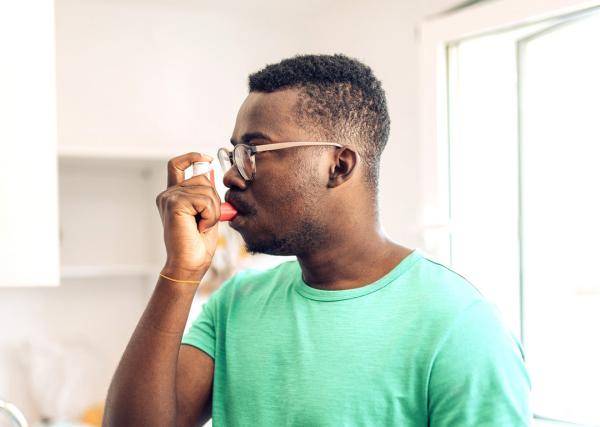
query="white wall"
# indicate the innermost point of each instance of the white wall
(155, 73)
(384, 38)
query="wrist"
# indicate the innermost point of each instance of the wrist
(178, 272)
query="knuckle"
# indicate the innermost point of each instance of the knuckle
(171, 199)
(205, 199)
(215, 194)
(209, 204)
(159, 198)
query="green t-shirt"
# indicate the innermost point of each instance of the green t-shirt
(418, 347)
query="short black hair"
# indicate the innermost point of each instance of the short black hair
(338, 94)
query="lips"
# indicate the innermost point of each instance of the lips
(240, 206)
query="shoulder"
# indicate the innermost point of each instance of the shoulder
(443, 290)
(450, 311)
(459, 316)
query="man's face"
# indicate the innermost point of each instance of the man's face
(282, 211)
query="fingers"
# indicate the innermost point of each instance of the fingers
(208, 212)
(199, 184)
(199, 201)
(177, 166)
(198, 180)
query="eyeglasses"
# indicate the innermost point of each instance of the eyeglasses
(243, 158)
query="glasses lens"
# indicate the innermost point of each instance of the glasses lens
(223, 156)
(244, 161)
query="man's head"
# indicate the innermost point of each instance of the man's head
(302, 196)
(339, 99)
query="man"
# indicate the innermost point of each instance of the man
(359, 331)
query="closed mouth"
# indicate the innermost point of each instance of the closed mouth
(241, 207)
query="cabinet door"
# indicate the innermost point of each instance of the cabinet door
(29, 240)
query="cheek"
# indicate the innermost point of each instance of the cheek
(281, 204)
(284, 191)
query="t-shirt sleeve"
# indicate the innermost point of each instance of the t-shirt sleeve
(478, 375)
(203, 331)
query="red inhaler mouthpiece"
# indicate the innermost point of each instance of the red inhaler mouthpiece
(228, 212)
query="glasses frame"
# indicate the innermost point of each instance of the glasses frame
(253, 149)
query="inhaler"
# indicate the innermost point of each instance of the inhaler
(228, 212)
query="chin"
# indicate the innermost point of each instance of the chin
(306, 238)
(267, 248)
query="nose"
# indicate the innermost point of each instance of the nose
(232, 178)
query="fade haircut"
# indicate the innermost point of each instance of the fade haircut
(340, 99)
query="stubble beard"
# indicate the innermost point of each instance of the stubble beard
(307, 237)
(311, 232)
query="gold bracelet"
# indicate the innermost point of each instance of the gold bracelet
(178, 281)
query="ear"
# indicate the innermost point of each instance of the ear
(343, 165)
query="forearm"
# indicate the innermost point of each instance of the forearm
(142, 391)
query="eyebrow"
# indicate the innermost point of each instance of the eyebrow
(248, 137)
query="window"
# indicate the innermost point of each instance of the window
(523, 172)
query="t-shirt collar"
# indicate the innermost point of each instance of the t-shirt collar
(324, 295)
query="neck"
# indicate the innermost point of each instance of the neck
(359, 255)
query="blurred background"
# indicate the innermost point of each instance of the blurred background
(491, 168)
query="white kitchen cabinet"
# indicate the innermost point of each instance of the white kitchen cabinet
(136, 86)
(28, 176)
(109, 224)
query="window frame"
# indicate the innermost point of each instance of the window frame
(436, 35)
